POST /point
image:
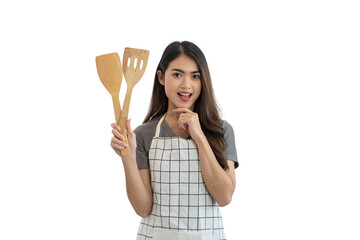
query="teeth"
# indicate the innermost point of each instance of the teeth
(186, 95)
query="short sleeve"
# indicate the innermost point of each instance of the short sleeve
(142, 159)
(230, 148)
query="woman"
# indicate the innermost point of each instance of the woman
(182, 160)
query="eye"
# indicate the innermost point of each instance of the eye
(196, 76)
(177, 75)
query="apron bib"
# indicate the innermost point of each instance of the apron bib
(183, 209)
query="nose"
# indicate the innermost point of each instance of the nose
(185, 84)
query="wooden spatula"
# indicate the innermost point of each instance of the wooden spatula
(134, 65)
(110, 73)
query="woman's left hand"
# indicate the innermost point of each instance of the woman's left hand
(189, 122)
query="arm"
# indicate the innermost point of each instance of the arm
(219, 182)
(138, 185)
(138, 188)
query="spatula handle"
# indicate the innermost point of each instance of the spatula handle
(117, 108)
(124, 117)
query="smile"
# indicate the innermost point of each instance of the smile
(184, 96)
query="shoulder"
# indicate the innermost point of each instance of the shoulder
(230, 149)
(144, 134)
(228, 132)
(148, 127)
(228, 129)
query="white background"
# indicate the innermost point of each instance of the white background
(286, 75)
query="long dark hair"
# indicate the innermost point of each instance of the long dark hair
(205, 106)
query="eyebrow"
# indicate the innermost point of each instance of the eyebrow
(179, 70)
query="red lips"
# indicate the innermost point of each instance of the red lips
(184, 96)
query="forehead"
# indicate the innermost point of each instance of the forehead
(184, 63)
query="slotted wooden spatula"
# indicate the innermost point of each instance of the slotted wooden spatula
(134, 65)
(110, 73)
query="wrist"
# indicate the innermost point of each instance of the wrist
(200, 138)
(129, 160)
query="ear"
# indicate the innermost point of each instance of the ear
(160, 77)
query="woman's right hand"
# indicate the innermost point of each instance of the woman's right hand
(118, 142)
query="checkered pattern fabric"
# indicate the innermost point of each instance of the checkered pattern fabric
(181, 201)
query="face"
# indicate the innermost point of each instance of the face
(182, 82)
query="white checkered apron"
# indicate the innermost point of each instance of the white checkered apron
(182, 206)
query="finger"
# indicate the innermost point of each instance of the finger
(115, 126)
(119, 142)
(182, 110)
(185, 117)
(188, 118)
(183, 129)
(117, 134)
(117, 146)
(116, 140)
(128, 126)
(182, 125)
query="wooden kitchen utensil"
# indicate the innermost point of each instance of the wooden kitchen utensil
(110, 73)
(134, 65)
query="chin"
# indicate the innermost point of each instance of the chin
(188, 106)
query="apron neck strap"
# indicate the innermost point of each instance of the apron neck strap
(157, 132)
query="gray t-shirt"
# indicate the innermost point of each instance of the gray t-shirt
(145, 133)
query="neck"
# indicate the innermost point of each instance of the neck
(171, 118)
